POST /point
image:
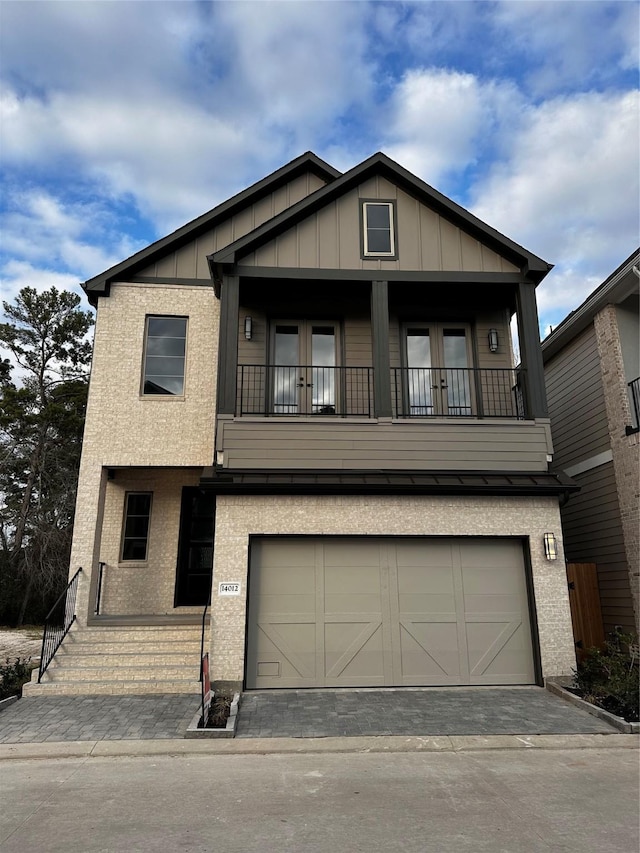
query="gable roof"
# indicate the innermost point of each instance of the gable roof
(622, 282)
(307, 162)
(533, 266)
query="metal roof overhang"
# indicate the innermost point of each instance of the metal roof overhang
(263, 482)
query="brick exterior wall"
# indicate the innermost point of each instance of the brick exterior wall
(122, 427)
(238, 517)
(144, 587)
(625, 448)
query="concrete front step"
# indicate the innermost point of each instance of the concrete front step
(89, 647)
(101, 687)
(118, 659)
(112, 659)
(122, 673)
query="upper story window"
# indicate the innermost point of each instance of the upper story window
(378, 230)
(164, 355)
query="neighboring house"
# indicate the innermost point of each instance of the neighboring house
(304, 404)
(592, 373)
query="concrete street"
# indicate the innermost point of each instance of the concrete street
(499, 801)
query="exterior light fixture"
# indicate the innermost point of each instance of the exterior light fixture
(248, 328)
(493, 340)
(550, 546)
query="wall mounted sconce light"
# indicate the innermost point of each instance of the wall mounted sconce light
(493, 340)
(550, 546)
(248, 328)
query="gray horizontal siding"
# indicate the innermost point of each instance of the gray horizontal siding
(593, 534)
(576, 401)
(479, 446)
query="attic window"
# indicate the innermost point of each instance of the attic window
(378, 230)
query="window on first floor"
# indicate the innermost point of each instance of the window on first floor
(135, 533)
(378, 231)
(164, 356)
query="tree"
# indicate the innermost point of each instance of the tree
(41, 424)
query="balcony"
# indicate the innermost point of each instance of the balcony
(347, 392)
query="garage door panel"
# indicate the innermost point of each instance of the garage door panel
(291, 645)
(354, 651)
(429, 651)
(374, 612)
(413, 553)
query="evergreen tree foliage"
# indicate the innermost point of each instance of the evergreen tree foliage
(43, 387)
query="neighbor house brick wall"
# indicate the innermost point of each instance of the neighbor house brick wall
(625, 448)
(123, 428)
(238, 517)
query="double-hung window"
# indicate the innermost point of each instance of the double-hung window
(135, 535)
(378, 232)
(164, 356)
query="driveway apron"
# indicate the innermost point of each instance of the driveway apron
(412, 712)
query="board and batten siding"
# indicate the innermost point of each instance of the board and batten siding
(279, 444)
(190, 261)
(592, 532)
(576, 401)
(330, 239)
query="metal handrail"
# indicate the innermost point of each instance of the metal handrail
(58, 623)
(99, 588)
(204, 618)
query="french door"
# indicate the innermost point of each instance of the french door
(305, 368)
(438, 358)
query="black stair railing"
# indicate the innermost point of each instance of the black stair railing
(58, 622)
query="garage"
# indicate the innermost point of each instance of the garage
(375, 612)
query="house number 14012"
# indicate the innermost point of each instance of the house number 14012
(229, 589)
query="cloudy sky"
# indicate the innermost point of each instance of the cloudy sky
(123, 120)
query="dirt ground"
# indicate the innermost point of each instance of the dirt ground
(20, 643)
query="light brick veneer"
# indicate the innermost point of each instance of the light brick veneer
(124, 428)
(238, 517)
(625, 448)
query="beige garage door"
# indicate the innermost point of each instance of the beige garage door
(363, 612)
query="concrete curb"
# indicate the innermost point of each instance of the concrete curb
(558, 688)
(5, 703)
(292, 746)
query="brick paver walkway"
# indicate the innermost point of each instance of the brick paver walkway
(37, 719)
(456, 711)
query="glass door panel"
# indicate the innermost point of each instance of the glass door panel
(305, 369)
(419, 379)
(286, 379)
(323, 370)
(455, 363)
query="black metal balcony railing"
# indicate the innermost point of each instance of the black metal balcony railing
(299, 390)
(634, 397)
(422, 392)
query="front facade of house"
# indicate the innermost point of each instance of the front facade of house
(304, 405)
(592, 368)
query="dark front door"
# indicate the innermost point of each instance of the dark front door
(195, 547)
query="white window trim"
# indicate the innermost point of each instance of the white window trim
(365, 229)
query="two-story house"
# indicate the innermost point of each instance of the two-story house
(304, 404)
(592, 368)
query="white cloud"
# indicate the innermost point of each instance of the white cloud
(18, 274)
(569, 187)
(583, 43)
(443, 120)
